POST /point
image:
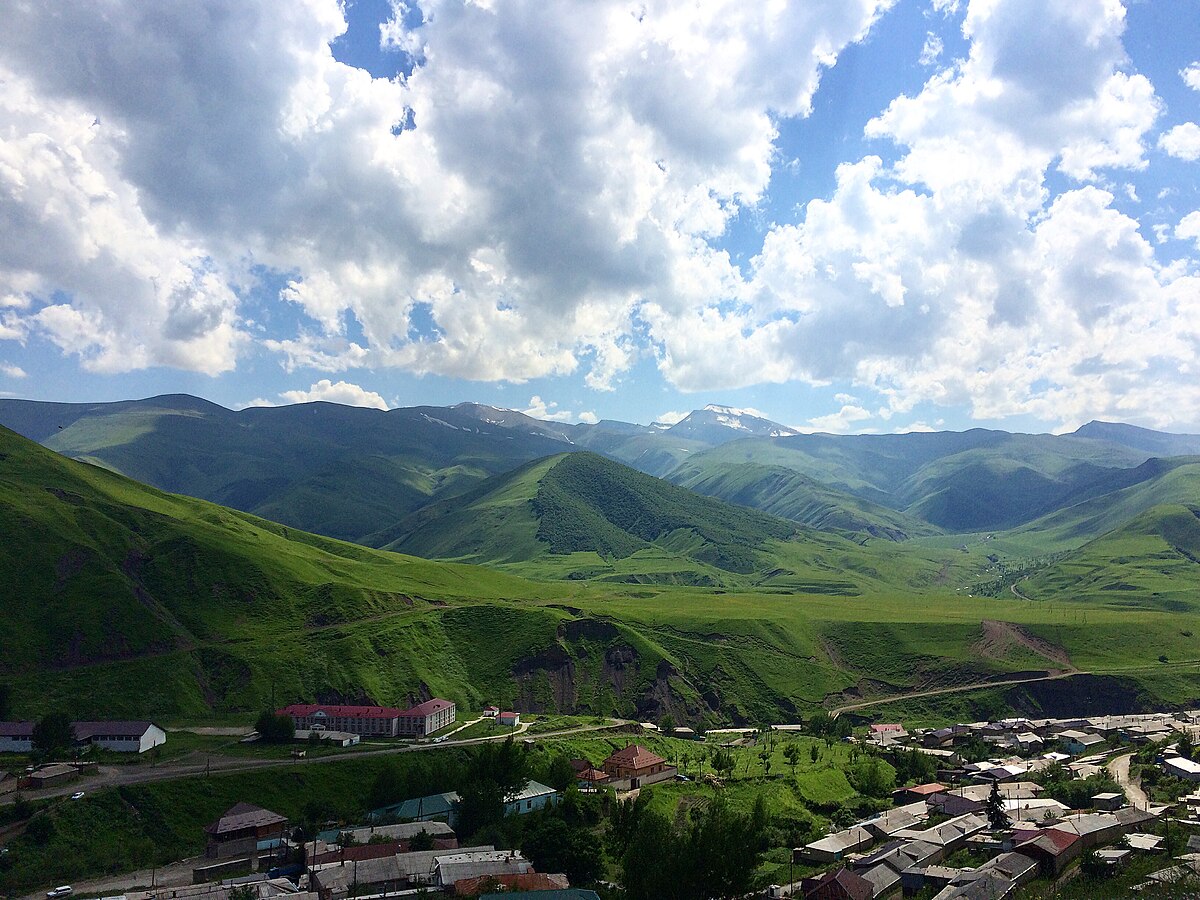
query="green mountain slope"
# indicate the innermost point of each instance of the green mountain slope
(1154, 483)
(788, 494)
(129, 600)
(1152, 561)
(593, 511)
(957, 481)
(126, 601)
(335, 470)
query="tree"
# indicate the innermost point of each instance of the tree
(814, 752)
(242, 892)
(53, 734)
(422, 840)
(273, 729)
(667, 725)
(559, 773)
(5, 702)
(553, 845)
(996, 814)
(792, 754)
(1185, 746)
(495, 771)
(723, 762)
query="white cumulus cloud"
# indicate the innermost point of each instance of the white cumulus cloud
(1182, 141)
(550, 411)
(326, 391)
(1191, 76)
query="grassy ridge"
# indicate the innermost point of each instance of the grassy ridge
(205, 609)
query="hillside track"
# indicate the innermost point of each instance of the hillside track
(1055, 676)
(958, 689)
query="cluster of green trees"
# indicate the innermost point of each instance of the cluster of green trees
(273, 729)
(1076, 793)
(710, 852)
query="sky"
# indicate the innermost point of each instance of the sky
(848, 215)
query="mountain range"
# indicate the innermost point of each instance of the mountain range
(574, 582)
(354, 474)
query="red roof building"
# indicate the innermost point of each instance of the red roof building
(428, 717)
(634, 761)
(838, 885)
(1051, 847)
(380, 721)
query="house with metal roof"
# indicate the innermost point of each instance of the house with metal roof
(16, 737)
(837, 846)
(454, 867)
(242, 830)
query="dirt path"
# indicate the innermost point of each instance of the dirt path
(1118, 768)
(959, 689)
(999, 636)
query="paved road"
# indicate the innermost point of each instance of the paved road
(200, 762)
(1118, 768)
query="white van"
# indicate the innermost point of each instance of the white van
(63, 890)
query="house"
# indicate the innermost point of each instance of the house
(509, 719)
(376, 721)
(950, 835)
(591, 779)
(433, 808)
(1077, 742)
(490, 712)
(49, 776)
(450, 868)
(444, 807)
(835, 847)
(533, 796)
(243, 831)
(1145, 843)
(637, 765)
(885, 881)
(917, 792)
(841, 884)
(885, 825)
(1109, 801)
(1094, 829)
(426, 718)
(442, 834)
(16, 737)
(370, 876)
(1052, 848)
(899, 855)
(531, 884)
(120, 737)
(1034, 810)
(336, 738)
(1181, 767)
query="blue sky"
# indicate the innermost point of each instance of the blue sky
(850, 216)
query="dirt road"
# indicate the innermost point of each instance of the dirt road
(1118, 768)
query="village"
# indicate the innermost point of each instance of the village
(1015, 804)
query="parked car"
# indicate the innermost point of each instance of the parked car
(78, 795)
(63, 890)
